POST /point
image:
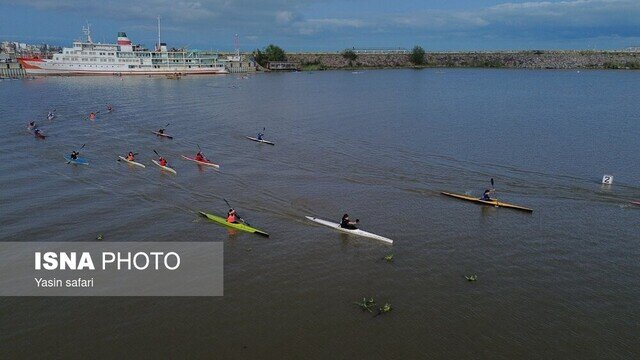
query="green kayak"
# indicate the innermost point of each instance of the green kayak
(238, 226)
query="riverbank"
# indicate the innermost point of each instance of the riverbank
(537, 59)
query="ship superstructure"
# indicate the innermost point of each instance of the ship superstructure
(123, 58)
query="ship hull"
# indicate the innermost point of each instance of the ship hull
(48, 67)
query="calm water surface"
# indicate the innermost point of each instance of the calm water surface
(562, 282)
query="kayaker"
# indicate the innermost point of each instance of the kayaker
(74, 155)
(260, 135)
(109, 107)
(37, 132)
(92, 115)
(345, 223)
(161, 131)
(130, 156)
(486, 196)
(32, 125)
(162, 161)
(200, 157)
(50, 115)
(232, 216)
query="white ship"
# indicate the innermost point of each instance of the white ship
(123, 58)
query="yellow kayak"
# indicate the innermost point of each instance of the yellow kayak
(243, 227)
(487, 202)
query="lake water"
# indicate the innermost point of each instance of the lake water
(563, 282)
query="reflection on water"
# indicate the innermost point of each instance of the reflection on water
(558, 283)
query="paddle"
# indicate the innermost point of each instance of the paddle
(239, 217)
(81, 147)
(494, 191)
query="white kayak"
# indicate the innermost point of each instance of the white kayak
(356, 232)
(131, 162)
(260, 141)
(165, 167)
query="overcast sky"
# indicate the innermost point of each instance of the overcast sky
(332, 25)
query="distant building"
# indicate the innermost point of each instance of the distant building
(380, 51)
(283, 65)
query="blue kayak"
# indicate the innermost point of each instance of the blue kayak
(78, 161)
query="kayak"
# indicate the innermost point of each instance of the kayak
(495, 203)
(635, 202)
(40, 135)
(78, 161)
(237, 226)
(356, 232)
(165, 167)
(260, 141)
(131, 162)
(163, 135)
(207, 163)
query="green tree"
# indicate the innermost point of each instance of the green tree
(259, 57)
(349, 55)
(274, 53)
(417, 55)
(269, 53)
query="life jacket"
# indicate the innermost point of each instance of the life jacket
(92, 116)
(163, 162)
(231, 218)
(199, 157)
(130, 157)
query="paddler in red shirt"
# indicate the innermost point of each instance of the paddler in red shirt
(200, 157)
(232, 217)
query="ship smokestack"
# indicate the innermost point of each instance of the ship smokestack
(123, 39)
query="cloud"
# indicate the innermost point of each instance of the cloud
(321, 24)
(588, 16)
(313, 26)
(284, 17)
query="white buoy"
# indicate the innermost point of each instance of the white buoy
(607, 179)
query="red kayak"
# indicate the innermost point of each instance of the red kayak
(206, 163)
(636, 203)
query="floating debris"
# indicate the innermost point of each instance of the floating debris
(472, 277)
(366, 304)
(99, 237)
(388, 258)
(384, 309)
